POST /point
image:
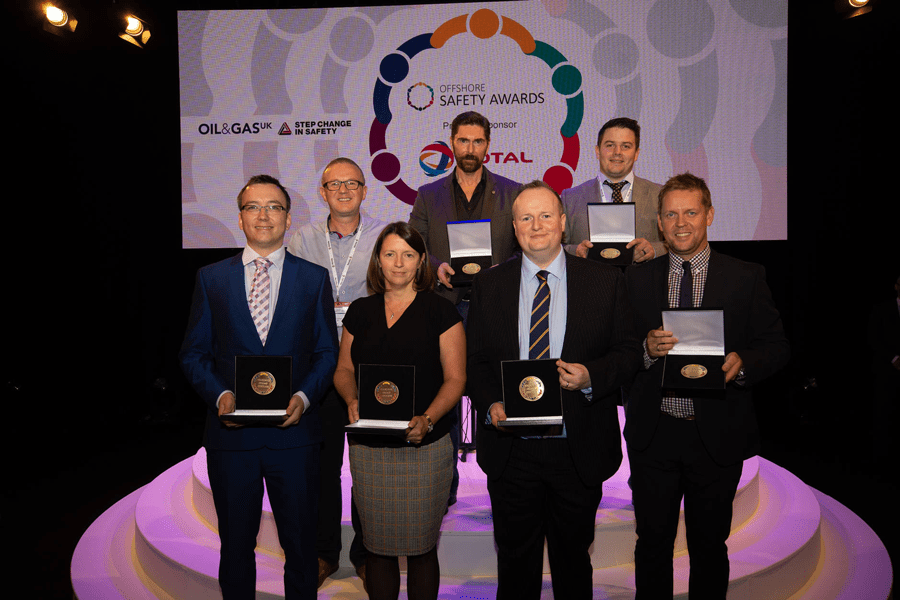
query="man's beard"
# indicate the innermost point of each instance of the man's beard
(471, 164)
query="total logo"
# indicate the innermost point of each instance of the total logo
(436, 159)
(236, 128)
(501, 158)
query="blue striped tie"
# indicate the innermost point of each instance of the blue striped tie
(539, 338)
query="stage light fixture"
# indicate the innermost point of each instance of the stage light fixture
(847, 9)
(136, 31)
(56, 16)
(58, 20)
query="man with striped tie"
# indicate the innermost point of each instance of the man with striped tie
(549, 304)
(263, 301)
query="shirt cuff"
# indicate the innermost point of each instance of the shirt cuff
(648, 360)
(220, 396)
(487, 419)
(304, 399)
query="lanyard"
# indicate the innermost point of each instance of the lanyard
(339, 283)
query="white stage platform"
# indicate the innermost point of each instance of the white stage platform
(788, 541)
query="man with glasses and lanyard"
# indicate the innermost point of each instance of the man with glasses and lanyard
(342, 243)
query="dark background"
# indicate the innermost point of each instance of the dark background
(99, 286)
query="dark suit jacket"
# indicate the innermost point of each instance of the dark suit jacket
(752, 329)
(435, 207)
(646, 200)
(220, 327)
(598, 335)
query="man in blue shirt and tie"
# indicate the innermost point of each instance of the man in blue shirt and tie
(576, 311)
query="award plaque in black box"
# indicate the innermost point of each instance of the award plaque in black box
(387, 395)
(531, 392)
(262, 390)
(611, 227)
(470, 249)
(695, 363)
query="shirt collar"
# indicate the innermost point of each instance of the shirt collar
(250, 255)
(557, 268)
(483, 176)
(601, 177)
(698, 261)
(328, 227)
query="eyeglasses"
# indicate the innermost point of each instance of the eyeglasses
(350, 184)
(271, 208)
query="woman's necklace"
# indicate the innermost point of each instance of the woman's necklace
(400, 307)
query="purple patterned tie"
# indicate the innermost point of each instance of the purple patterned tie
(259, 298)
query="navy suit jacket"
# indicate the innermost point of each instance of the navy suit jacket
(753, 329)
(220, 327)
(599, 335)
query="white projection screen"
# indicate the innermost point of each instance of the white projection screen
(283, 92)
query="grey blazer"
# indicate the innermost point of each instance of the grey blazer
(645, 197)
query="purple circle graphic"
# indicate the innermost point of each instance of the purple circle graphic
(385, 167)
(297, 21)
(680, 28)
(616, 56)
(352, 39)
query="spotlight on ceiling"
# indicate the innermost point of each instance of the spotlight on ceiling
(58, 21)
(136, 31)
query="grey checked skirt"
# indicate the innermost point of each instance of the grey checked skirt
(401, 495)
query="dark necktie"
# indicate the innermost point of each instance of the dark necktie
(539, 338)
(617, 191)
(686, 293)
(677, 406)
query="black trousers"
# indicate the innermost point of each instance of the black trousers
(676, 465)
(541, 496)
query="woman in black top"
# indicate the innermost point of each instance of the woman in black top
(401, 484)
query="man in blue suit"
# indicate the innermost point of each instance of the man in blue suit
(263, 301)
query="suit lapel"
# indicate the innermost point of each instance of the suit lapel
(660, 282)
(288, 278)
(237, 296)
(641, 187)
(449, 207)
(508, 296)
(595, 191)
(715, 283)
(487, 203)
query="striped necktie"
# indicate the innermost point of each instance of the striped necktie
(539, 338)
(259, 298)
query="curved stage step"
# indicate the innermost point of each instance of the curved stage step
(788, 542)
